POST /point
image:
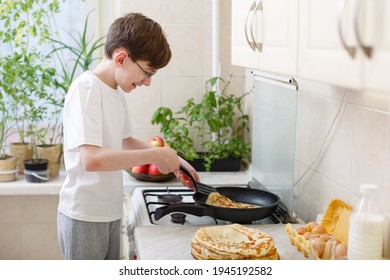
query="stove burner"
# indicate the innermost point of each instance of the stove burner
(178, 218)
(169, 198)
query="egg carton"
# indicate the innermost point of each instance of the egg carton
(297, 240)
(335, 221)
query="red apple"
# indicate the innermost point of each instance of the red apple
(153, 170)
(143, 169)
(156, 141)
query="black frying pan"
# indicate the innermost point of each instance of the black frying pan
(266, 201)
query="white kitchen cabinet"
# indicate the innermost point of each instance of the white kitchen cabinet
(376, 69)
(264, 35)
(345, 42)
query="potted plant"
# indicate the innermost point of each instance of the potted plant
(210, 132)
(29, 76)
(7, 161)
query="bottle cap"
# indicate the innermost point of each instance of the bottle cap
(368, 188)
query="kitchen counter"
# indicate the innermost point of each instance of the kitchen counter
(211, 178)
(21, 187)
(174, 242)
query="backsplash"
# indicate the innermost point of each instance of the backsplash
(356, 151)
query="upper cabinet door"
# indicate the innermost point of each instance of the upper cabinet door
(327, 45)
(345, 42)
(244, 33)
(279, 27)
(377, 43)
(264, 35)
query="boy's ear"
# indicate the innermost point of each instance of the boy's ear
(120, 57)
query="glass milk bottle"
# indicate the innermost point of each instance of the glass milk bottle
(366, 225)
(386, 233)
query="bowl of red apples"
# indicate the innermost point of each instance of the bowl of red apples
(150, 172)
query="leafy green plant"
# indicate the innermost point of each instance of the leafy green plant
(26, 72)
(83, 53)
(74, 58)
(6, 125)
(217, 121)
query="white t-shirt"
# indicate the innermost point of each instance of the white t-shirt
(94, 114)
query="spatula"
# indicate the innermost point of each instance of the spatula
(199, 187)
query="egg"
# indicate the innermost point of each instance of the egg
(329, 249)
(318, 246)
(306, 235)
(341, 251)
(301, 230)
(310, 225)
(318, 229)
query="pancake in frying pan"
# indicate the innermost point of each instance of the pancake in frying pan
(217, 199)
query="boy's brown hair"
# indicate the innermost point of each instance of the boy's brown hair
(143, 38)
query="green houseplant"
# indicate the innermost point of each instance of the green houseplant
(209, 130)
(28, 79)
(7, 161)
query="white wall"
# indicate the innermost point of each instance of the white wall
(357, 150)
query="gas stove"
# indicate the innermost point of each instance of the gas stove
(145, 200)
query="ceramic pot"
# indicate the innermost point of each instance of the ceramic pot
(21, 152)
(7, 168)
(53, 154)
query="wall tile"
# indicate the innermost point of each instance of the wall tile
(311, 119)
(39, 242)
(338, 150)
(309, 192)
(187, 43)
(143, 102)
(39, 209)
(150, 8)
(177, 90)
(368, 146)
(10, 246)
(182, 12)
(10, 209)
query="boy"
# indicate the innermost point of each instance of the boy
(98, 143)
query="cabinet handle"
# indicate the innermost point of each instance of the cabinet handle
(251, 44)
(259, 7)
(366, 49)
(351, 50)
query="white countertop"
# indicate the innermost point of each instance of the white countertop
(21, 187)
(174, 242)
(53, 186)
(211, 178)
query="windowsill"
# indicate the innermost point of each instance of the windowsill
(21, 187)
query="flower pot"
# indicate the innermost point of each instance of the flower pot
(225, 164)
(7, 168)
(21, 152)
(36, 170)
(53, 154)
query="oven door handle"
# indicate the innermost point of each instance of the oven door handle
(184, 208)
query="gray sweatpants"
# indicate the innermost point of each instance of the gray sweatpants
(80, 240)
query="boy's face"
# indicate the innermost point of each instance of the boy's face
(129, 74)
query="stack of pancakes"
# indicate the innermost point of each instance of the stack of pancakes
(232, 242)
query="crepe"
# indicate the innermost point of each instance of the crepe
(217, 199)
(232, 242)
